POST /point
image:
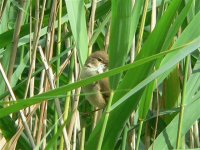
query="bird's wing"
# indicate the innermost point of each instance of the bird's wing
(105, 88)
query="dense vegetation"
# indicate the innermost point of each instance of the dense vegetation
(154, 65)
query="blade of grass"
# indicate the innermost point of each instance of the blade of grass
(61, 92)
(76, 14)
(167, 139)
(182, 107)
(121, 22)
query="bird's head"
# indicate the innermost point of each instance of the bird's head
(98, 61)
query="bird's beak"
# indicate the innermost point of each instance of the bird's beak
(89, 65)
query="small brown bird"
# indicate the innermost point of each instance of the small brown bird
(97, 93)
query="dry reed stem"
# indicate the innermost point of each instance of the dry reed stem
(21, 112)
(57, 103)
(91, 23)
(15, 40)
(35, 43)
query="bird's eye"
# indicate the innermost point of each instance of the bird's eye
(100, 59)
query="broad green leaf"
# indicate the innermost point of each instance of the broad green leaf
(5, 17)
(137, 10)
(119, 116)
(121, 22)
(172, 32)
(193, 84)
(20, 68)
(190, 33)
(168, 66)
(76, 14)
(171, 92)
(176, 25)
(4, 28)
(172, 85)
(167, 139)
(197, 6)
(145, 101)
(1, 52)
(103, 9)
(5, 64)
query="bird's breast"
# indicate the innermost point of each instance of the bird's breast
(88, 72)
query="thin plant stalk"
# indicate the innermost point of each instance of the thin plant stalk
(153, 15)
(35, 127)
(21, 112)
(32, 82)
(153, 24)
(91, 23)
(65, 63)
(191, 138)
(32, 57)
(76, 96)
(107, 38)
(58, 62)
(157, 112)
(139, 134)
(82, 138)
(41, 122)
(44, 129)
(138, 48)
(196, 134)
(65, 117)
(102, 25)
(105, 121)
(68, 97)
(124, 139)
(75, 112)
(139, 43)
(16, 38)
(22, 56)
(67, 104)
(35, 43)
(55, 129)
(96, 117)
(57, 103)
(180, 123)
(2, 8)
(74, 135)
(30, 26)
(132, 133)
(51, 31)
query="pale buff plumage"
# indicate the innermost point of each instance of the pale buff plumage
(97, 93)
